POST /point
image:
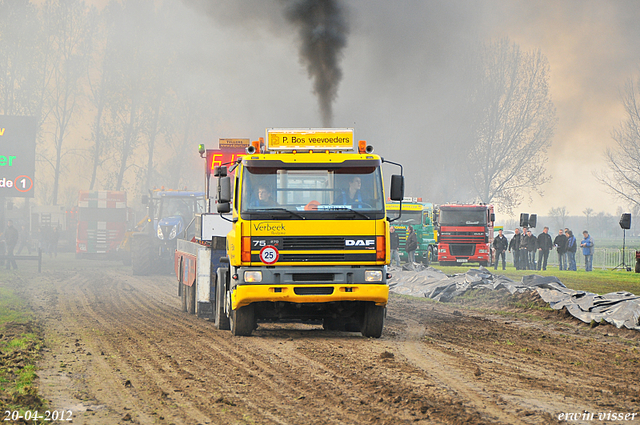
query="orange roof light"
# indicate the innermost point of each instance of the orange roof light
(362, 146)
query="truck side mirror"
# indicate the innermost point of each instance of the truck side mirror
(224, 208)
(219, 171)
(493, 217)
(145, 199)
(397, 187)
(224, 190)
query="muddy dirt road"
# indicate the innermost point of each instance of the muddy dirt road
(119, 350)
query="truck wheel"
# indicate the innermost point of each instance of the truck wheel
(373, 320)
(426, 260)
(221, 320)
(243, 320)
(191, 298)
(141, 255)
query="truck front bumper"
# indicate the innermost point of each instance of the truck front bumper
(320, 293)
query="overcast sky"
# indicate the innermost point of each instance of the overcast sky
(399, 68)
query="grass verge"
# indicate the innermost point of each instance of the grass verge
(20, 344)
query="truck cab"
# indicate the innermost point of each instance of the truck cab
(310, 235)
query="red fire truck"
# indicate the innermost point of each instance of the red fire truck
(465, 233)
(102, 223)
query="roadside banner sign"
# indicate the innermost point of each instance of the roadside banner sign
(17, 156)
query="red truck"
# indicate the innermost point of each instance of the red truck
(465, 234)
(102, 223)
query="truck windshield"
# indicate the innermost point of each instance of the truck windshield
(312, 191)
(462, 217)
(184, 207)
(408, 217)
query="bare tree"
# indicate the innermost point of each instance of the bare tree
(560, 215)
(513, 119)
(67, 26)
(19, 57)
(623, 160)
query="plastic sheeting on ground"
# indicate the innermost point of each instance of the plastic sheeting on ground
(621, 309)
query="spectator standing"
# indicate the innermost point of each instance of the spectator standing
(501, 244)
(572, 247)
(11, 236)
(514, 248)
(23, 240)
(411, 245)
(531, 244)
(524, 253)
(545, 244)
(560, 242)
(587, 251)
(394, 244)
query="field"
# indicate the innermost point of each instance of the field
(89, 338)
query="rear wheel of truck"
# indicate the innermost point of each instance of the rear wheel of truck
(220, 318)
(426, 260)
(243, 321)
(141, 255)
(373, 320)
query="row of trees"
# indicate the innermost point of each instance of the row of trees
(505, 122)
(115, 70)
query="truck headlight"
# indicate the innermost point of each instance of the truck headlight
(253, 276)
(483, 251)
(174, 232)
(159, 233)
(373, 276)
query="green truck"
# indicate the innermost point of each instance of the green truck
(419, 215)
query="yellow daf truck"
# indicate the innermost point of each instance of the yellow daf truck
(309, 235)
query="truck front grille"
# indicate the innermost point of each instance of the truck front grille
(312, 277)
(311, 290)
(312, 243)
(462, 250)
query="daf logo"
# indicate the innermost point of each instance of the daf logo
(359, 242)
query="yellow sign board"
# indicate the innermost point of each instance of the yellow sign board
(309, 138)
(233, 143)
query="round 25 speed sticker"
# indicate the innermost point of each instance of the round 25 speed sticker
(269, 254)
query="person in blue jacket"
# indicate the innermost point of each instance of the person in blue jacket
(587, 251)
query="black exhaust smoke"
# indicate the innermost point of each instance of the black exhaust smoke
(323, 34)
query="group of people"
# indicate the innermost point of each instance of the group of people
(525, 246)
(411, 246)
(13, 241)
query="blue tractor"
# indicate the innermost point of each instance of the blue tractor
(170, 216)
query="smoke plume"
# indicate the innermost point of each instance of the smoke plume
(323, 34)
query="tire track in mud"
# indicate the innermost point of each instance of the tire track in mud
(526, 369)
(152, 363)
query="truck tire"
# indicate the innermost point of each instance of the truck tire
(243, 320)
(220, 318)
(426, 260)
(373, 320)
(141, 255)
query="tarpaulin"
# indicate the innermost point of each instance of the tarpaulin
(621, 309)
